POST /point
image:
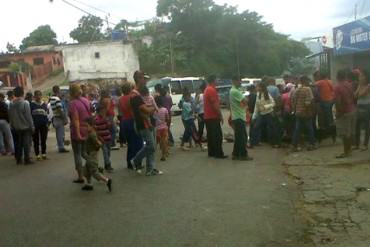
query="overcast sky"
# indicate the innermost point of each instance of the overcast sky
(298, 18)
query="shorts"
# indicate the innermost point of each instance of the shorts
(346, 125)
(162, 134)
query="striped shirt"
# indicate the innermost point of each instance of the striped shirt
(161, 116)
(55, 104)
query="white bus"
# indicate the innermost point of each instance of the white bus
(176, 87)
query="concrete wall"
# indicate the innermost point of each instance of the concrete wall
(116, 60)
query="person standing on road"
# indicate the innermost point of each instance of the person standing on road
(102, 127)
(162, 118)
(39, 110)
(168, 103)
(6, 139)
(59, 118)
(345, 121)
(213, 119)
(134, 141)
(302, 102)
(199, 101)
(79, 110)
(238, 108)
(21, 120)
(326, 98)
(362, 95)
(263, 116)
(144, 128)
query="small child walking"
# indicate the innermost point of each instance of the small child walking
(162, 122)
(187, 116)
(102, 126)
(91, 168)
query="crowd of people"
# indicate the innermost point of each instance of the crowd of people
(296, 112)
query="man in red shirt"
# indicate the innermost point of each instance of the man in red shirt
(326, 97)
(345, 106)
(213, 120)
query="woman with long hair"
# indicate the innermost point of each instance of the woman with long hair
(263, 116)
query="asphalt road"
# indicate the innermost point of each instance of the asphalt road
(197, 202)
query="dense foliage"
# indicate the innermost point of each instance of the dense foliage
(204, 38)
(43, 35)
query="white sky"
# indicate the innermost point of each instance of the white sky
(298, 18)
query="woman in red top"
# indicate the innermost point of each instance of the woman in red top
(127, 123)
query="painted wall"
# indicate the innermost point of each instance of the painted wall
(100, 60)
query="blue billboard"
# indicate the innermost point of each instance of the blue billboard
(352, 38)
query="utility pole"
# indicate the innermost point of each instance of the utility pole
(356, 11)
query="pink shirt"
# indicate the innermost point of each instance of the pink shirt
(160, 118)
(79, 108)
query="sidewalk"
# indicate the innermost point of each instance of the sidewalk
(337, 213)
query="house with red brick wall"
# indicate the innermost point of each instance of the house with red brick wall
(37, 63)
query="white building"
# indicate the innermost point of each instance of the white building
(100, 60)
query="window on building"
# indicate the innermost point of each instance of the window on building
(4, 64)
(97, 55)
(38, 61)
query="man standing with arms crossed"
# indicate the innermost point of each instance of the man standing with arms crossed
(141, 113)
(238, 105)
(213, 119)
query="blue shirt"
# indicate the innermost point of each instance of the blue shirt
(273, 91)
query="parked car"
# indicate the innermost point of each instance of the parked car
(176, 87)
(250, 81)
(223, 93)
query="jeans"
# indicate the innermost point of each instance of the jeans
(39, 137)
(327, 111)
(267, 121)
(190, 131)
(214, 138)
(147, 151)
(113, 132)
(58, 124)
(200, 126)
(362, 123)
(307, 124)
(134, 141)
(106, 155)
(79, 152)
(240, 137)
(23, 147)
(122, 136)
(6, 137)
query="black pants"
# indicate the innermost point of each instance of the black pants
(240, 137)
(200, 126)
(214, 138)
(23, 145)
(39, 137)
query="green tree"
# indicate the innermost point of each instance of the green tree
(89, 29)
(43, 35)
(205, 38)
(11, 48)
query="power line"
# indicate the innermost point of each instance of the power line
(82, 10)
(91, 7)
